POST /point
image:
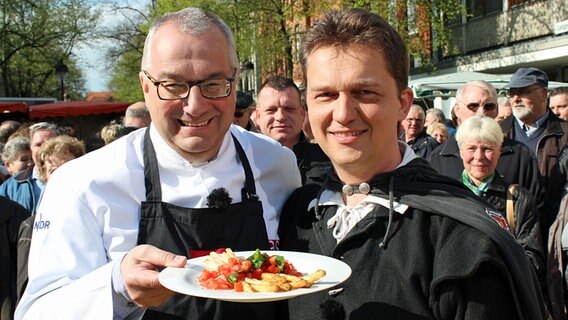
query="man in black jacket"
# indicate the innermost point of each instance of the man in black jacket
(280, 114)
(420, 245)
(414, 133)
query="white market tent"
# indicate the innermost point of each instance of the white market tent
(442, 88)
(453, 81)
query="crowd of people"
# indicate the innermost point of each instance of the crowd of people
(459, 218)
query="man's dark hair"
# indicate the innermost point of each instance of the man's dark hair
(358, 28)
(279, 83)
(559, 90)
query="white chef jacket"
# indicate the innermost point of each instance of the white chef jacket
(89, 214)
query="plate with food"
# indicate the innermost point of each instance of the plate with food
(255, 276)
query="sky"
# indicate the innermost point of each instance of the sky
(91, 56)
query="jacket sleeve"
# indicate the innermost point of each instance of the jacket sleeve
(528, 231)
(557, 180)
(483, 295)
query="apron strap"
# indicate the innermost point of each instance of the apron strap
(248, 192)
(152, 175)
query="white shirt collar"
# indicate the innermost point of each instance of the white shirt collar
(334, 198)
(171, 157)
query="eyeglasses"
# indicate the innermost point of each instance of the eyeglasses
(178, 90)
(239, 114)
(522, 92)
(490, 106)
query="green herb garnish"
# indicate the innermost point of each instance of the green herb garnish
(257, 259)
(232, 278)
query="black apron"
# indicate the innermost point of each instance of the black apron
(179, 230)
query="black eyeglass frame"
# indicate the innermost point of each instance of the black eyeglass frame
(191, 84)
(474, 106)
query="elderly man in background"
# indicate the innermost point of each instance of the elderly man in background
(136, 116)
(414, 133)
(534, 125)
(559, 102)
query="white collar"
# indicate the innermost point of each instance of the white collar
(334, 198)
(169, 155)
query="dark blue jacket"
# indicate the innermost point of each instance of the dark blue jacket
(22, 189)
(422, 145)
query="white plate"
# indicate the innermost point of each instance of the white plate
(184, 280)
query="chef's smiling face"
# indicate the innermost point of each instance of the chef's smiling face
(194, 126)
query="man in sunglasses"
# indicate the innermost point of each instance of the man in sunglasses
(517, 163)
(536, 126)
(190, 183)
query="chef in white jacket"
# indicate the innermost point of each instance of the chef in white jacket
(188, 184)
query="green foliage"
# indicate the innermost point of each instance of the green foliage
(125, 82)
(268, 32)
(35, 35)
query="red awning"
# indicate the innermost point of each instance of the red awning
(76, 108)
(6, 107)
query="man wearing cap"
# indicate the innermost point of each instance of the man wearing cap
(245, 107)
(536, 126)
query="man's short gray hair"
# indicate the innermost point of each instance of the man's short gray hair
(488, 87)
(438, 114)
(137, 112)
(193, 21)
(44, 126)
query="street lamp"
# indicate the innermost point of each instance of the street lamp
(61, 72)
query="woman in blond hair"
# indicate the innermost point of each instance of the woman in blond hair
(57, 151)
(110, 132)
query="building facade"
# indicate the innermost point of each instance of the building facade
(499, 36)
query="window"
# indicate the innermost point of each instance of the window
(480, 8)
(518, 2)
